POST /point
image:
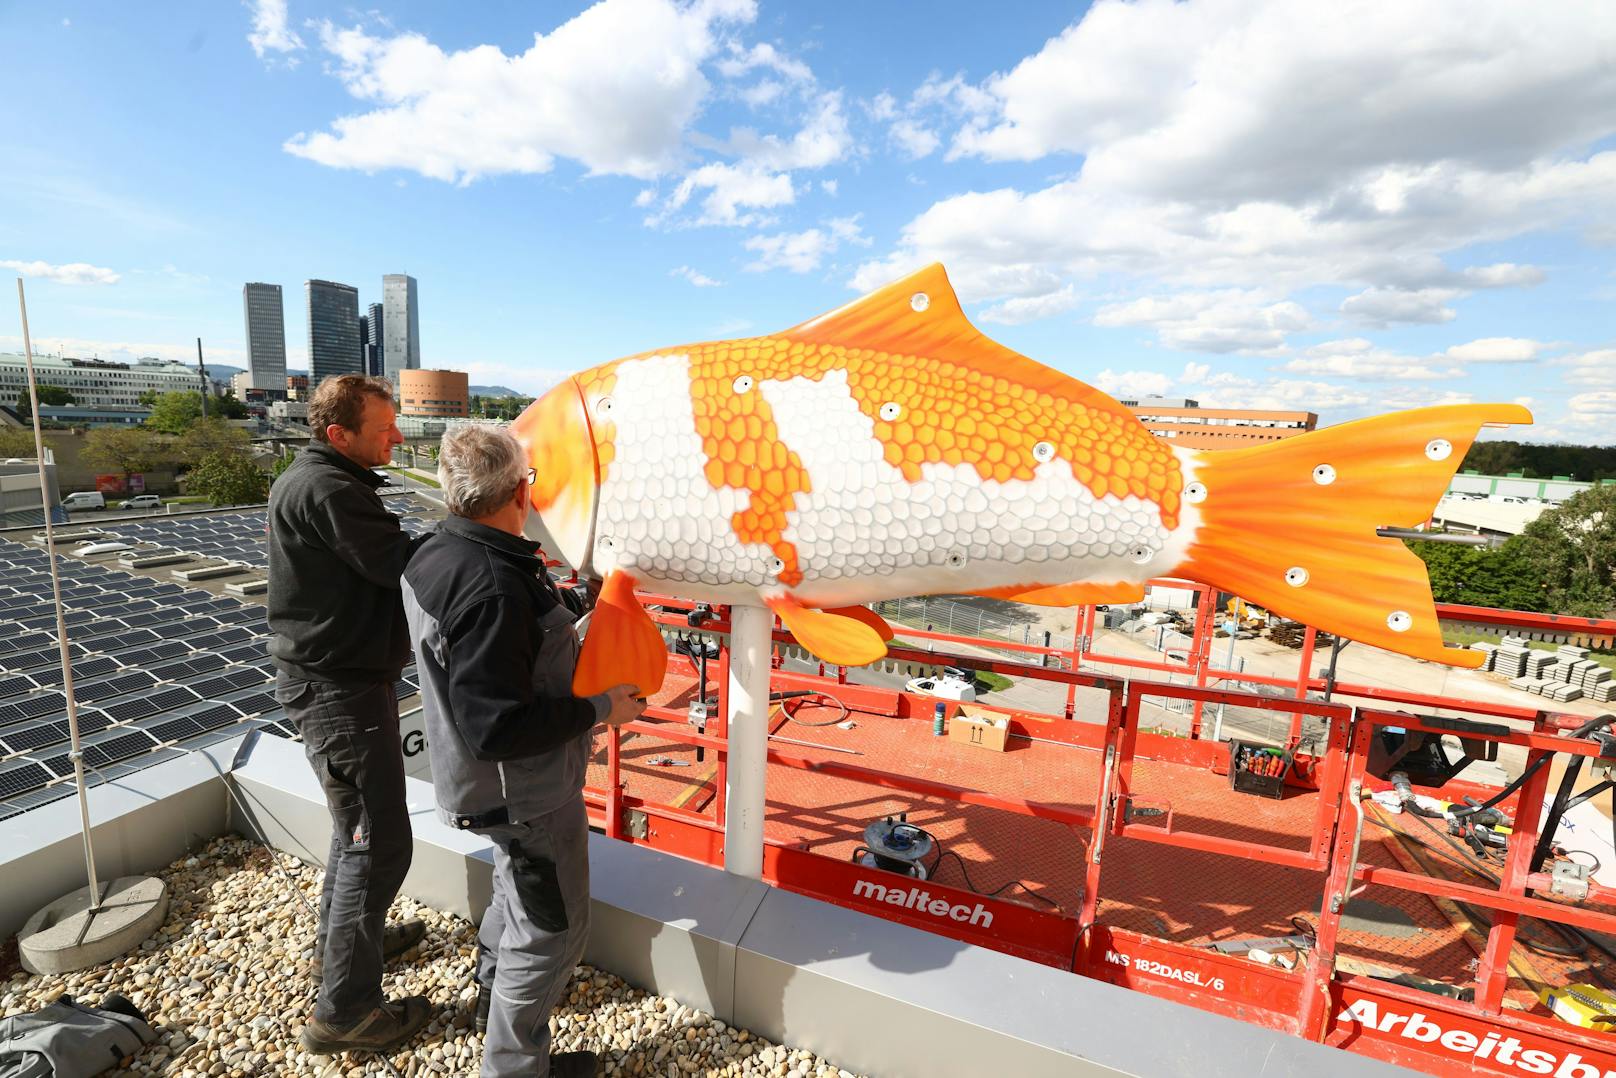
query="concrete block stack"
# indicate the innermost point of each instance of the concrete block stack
(1510, 658)
(1489, 650)
(1540, 664)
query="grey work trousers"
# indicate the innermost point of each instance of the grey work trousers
(350, 736)
(532, 935)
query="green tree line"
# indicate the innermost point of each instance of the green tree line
(1587, 463)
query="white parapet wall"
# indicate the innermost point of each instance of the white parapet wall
(880, 998)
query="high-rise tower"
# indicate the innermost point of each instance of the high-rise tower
(401, 326)
(333, 331)
(266, 335)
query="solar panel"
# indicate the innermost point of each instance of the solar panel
(121, 747)
(21, 777)
(32, 707)
(176, 629)
(253, 703)
(403, 687)
(136, 708)
(156, 653)
(150, 617)
(133, 681)
(16, 685)
(215, 717)
(83, 669)
(174, 729)
(35, 798)
(29, 738)
(245, 652)
(130, 639)
(173, 697)
(24, 641)
(93, 720)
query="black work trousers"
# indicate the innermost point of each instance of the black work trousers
(350, 736)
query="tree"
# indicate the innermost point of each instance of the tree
(207, 436)
(126, 450)
(16, 442)
(227, 407)
(1478, 576)
(174, 413)
(55, 396)
(1571, 549)
(228, 477)
(280, 465)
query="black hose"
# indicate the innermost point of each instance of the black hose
(1585, 728)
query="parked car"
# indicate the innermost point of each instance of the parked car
(85, 499)
(141, 501)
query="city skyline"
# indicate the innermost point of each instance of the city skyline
(1151, 197)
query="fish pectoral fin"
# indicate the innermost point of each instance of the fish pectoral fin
(840, 638)
(623, 646)
(867, 616)
(1067, 594)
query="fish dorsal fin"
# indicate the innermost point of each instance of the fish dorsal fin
(919, 315)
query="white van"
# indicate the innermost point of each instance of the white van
(85, 499)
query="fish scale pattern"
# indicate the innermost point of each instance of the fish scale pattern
(923, 412)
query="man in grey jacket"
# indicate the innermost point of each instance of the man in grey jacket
(340, 642)
(495, 647)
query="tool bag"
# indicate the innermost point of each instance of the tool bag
(71, 1040)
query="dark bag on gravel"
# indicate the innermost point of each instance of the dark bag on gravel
(70, 1040)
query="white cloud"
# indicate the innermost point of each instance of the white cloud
(1278, 394)
(733, 190)
(1596, 368)
(1496, 350)
(1019, 309)
(1203, 149)
(914, 140)
(1598, 408)
(1133, 384)
(67, 273)
(269, 30)
(803, 252)
(1229, 320)
(700, 280)
(1382, 307)
(613, 88)
(829, 187)
(763, 92)
(741, 61)
(823, 140)
(1357, 358)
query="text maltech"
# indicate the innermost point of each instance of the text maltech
(919, 899)
(1497, 1048)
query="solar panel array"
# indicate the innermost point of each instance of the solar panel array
(157, 667)
(237, 537)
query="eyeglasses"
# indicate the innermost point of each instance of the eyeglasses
(532, 476)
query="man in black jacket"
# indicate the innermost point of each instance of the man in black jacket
(340, 642)
(495, 647)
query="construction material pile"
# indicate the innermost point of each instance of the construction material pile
(1562, 675)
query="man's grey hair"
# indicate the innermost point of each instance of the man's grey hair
(478, 467)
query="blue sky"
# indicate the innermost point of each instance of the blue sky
(1343, 207)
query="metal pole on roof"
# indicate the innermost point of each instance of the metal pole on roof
(75, 752)
(203, 372)
(751, 640)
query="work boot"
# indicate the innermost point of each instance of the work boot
(574, 1065)
(382, 1030)
(396, 939)
(118, 1003)
(485, 1003)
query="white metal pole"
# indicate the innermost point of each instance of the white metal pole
(751, 634)
(1228, 663)
(75, 752)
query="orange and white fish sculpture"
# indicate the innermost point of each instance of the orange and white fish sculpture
(890, 449)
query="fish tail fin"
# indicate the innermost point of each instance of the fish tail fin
(623, 645)
(1291, 525)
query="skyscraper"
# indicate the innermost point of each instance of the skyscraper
(364, 345)
(401, 325)
(373, 340)
(333, 331)
(266, 335)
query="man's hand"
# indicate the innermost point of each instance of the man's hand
(626, 705)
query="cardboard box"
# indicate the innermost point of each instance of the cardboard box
(983, 728)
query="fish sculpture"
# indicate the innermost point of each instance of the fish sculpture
(889, 449)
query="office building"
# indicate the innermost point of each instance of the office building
(364, 344)
(96, 383)
(1184, 422)
(266, 334)
(297, 387)
(401, 326)
(373, 341)
(439, 394)
(333, 330)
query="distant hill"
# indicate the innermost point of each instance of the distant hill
(222, 372)
(495, 391)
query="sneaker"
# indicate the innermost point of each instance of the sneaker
(396, 939)
(485, 1001)
(382, 1030)
(574, 1065)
